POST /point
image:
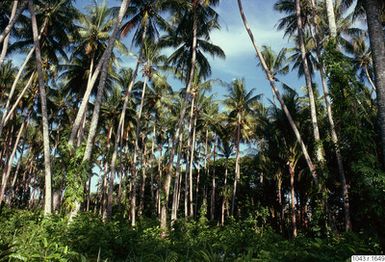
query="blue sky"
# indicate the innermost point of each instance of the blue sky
(240, 59)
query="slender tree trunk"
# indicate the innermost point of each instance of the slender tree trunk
(164, 204)
(280, 203)
(189, 146)
(309, 84)
(12, 21)
(136, 149)
(197, 192)
(88, 202)
(8, 168)
(144, 178)
(7, 116)
(177, 185)
(160, 173)
(47, 161)
(237, 169)
(292, 202)
(224, 198)
(15, 176)
(6, 40)
(13, 87)
(102, 67)
(106, 206)
(80, 133)
(214, 185)
(192, 154)
(331, 18)
(277, 94)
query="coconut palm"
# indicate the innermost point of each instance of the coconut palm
(196, 20)
(101, 68)
(362, 58)
(271, 79)
(226, 150)
(43, 97)
(240, 104)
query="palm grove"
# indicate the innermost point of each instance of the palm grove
(71, 113)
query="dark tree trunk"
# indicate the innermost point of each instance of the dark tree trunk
(377, 44)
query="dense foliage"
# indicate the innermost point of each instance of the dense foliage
(115, 148)
(28, 236)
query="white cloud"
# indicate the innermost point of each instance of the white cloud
(236, 42)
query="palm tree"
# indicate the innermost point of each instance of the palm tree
(146, 18)
(240, 104)
(197, 20)
(102, 67)
(92, 40)
(226, 150)
(47, 161)
(362, 58)
(309, 85)
(270, 77)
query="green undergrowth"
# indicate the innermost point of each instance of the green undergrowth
(27, 236)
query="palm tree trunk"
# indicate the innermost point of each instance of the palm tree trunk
(309, 84)
(331, 18)
(80, 132)
(136, 149)
(164, 204)
(47, 161)
(6, 115)
(13, 87)
(213, 190)
(280, 203)
(292, 198)
(197, 193)
(277, 94)
(377, 44)
(15, 176)
(237, 169)
(177, 184)
(6, 40)
(102, 67)
(8, 168)
(160, 173)
(192, 154)
(224, 197)
(12, 21)
(144, 177)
